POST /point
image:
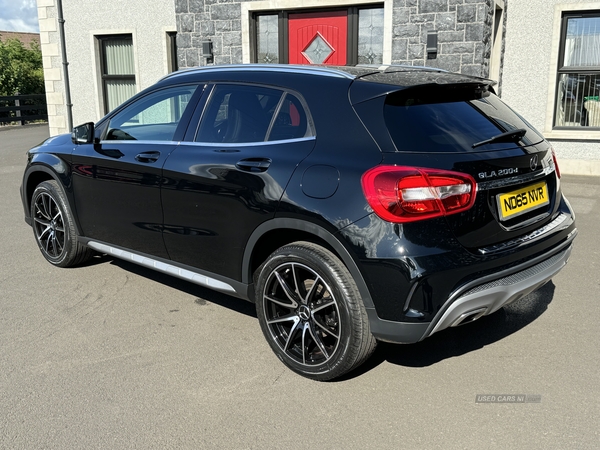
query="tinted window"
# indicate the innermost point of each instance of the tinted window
(238, 114)
(291, 121)
(153, 117)
(450, 120)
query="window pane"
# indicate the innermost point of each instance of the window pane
(119, 56)
(238, 114)
(291, 122)
(370, 36)
(577, 100)
(318, 50)
(582, 44)
(117, 91)
(267, 32)
(154, 117)
(418, 119)
(578, 80)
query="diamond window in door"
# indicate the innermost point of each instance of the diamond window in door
(318, 50)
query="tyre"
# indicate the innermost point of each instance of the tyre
(54, 228)
(311, 313)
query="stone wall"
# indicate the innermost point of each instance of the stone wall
(464, 32)
(217, 20)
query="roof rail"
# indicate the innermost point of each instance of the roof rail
(333, 71)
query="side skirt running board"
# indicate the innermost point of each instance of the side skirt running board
(170, 268)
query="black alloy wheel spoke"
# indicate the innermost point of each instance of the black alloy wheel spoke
(289, 318)
(289, 306)
(291, 334)
(289, 292)
(302, 314)
(326, 329)
(49, 226)
(317, 340)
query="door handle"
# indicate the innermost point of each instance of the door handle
(254, 164)
(147, 157)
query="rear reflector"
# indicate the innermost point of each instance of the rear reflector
(402, 194)
(555, 164)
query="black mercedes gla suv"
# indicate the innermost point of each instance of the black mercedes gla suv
(350, 204)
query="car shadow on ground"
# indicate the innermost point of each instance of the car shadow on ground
(203, 295)
(446, 344)
(460, 340)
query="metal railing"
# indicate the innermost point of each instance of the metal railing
(23, 108)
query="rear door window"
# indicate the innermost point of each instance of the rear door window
(431, 119)
(238, 114)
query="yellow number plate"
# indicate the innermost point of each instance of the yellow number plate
(515, 203)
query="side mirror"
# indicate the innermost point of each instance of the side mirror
(83, 134)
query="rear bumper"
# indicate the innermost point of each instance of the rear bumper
(478, 298)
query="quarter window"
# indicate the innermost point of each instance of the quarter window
(291, 121)
(578, 84)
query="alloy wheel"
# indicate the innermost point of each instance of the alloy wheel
(302, 314)
(49, 225)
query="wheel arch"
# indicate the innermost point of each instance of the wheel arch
(45, 167)
(277, 232)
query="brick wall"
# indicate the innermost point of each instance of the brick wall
(26, 38)
(464, 32)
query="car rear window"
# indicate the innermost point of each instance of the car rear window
(451, 119)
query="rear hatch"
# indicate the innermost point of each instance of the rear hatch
(465, 128)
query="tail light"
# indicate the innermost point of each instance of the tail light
(406, 194)
(555, 163)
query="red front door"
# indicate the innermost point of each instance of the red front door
(318, 38)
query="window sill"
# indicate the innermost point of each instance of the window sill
(573, 135)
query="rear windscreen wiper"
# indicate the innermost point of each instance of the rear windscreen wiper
(509, 136)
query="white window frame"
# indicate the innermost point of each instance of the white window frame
(550, 133)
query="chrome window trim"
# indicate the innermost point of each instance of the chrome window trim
(133, 141)
(276, 113)
(246, 144)
(211, 144)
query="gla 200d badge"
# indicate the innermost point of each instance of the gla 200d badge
(499, 173)
(346, 221)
